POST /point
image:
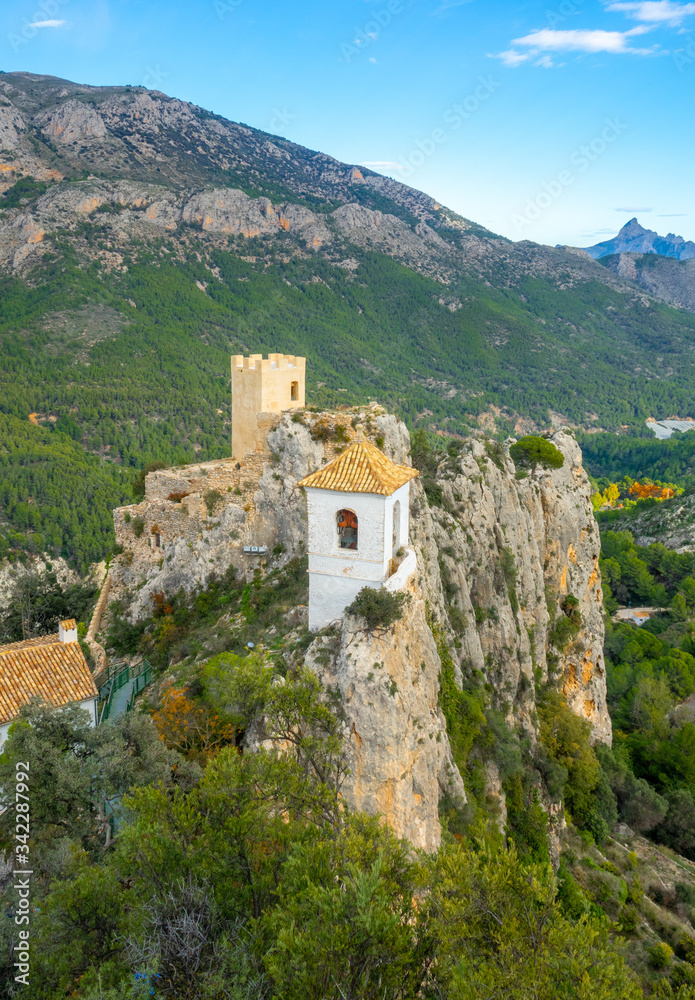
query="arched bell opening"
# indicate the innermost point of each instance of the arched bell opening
(346, 521)
(396, 532)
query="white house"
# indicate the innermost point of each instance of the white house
(635, 616)
(358, 508)
(50, 667)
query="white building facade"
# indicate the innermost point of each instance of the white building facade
(358, 515)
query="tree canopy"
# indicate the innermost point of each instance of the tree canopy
(531, 451)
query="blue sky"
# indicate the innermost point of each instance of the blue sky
(550, 120)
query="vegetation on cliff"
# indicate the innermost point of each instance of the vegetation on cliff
(251, 879)
(207, 892)
(130, 363)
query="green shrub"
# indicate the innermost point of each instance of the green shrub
(25, 187)
(211, 499)
(628, 920)
(572, 900)
(378, 609)
(566, 738)
(597, 825)
(495, 452)
(570, 606)
(122, 635)
(459, 622)
(567, 626)
(462, 710)
(683, 975)
(323, 430)
(660, 955)
(510, 573)
(685, 893)
(433, 492)
(634, 891)
(677, 829)
(532, 451)
(138, 526)
(527, 820)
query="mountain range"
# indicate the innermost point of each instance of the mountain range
(663, 265)
(143, 240)
(634, 238)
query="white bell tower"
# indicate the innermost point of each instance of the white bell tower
(358, 507)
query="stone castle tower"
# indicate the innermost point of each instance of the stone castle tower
(262, 386)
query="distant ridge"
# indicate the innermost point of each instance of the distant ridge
(634, 238)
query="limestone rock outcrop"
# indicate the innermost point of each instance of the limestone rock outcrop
(502, 554)
(72, 122)
(192, 159)
(498, 556)
(399, 758)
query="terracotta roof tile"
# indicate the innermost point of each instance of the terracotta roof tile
(361, 468)
(55, 671)
(41, 640)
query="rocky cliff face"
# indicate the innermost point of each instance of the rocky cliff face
(664, 277)
(497, 558)
(169, 163)
(503, 554)
(399, 758)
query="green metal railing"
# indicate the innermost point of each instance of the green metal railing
(139, 682)
(118, 676)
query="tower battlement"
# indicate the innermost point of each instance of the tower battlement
(262, 385)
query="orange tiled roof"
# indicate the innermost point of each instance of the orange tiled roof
(44, 668)
(361, 468)
(69, 624)
(41, 640)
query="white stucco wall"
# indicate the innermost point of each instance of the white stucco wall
(90, 706)
(400, 578)
(336, 575)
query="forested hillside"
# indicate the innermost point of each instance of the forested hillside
(130, 276)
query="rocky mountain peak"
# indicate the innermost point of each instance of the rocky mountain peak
(634, 238)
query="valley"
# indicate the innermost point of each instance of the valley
(478, 777)
(143, 240)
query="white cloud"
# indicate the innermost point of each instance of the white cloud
(536, 45)
(372, 59)
(672, 215)
(513, 58)
(655, 11)
(632, 211)
(47, 24)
